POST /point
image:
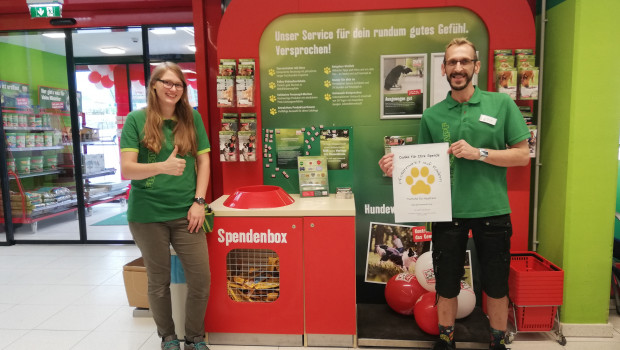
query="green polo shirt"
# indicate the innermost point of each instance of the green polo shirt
(488, 120)
(161, 197)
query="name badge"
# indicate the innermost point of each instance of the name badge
(488, 119)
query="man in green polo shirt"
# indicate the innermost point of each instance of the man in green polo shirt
(487, 134)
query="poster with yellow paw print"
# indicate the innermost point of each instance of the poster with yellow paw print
(421, 183)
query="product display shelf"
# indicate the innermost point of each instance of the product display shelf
(105, 197)
(24, 149)
(41, 213)
(33, 174)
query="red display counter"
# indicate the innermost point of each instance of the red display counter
(283, 276)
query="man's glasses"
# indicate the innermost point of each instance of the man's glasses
(465, 62)
(168, 84)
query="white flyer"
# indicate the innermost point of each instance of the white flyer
(421, 183)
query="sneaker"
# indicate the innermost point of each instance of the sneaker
(170, 343)
(442, 345)
(197, 344)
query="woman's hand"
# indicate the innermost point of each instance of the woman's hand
(195, 216)
(173, 165)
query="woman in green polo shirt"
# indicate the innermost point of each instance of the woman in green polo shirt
(164, 152)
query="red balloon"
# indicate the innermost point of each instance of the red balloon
(135, 72)
(402, 291)
(107, 82)
(425, 313)
(94, 77)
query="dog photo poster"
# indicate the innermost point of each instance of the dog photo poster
(403, 85)
(393, 249)
(421, 183)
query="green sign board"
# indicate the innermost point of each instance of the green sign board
(45, 11)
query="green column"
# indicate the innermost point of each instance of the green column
(579, 154)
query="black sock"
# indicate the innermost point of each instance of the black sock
(446, 333)
(497, 337)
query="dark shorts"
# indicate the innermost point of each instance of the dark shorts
(492, 240)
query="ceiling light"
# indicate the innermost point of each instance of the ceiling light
(112, 50)
(163, 31)
(192, 48)
(56, 35)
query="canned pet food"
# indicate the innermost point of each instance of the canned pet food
(36, 164)
(39, 140)
(48, 138)
(11, 140)
(51, 161)
(29, 140)
(20, 139)
(10, 164)
(23, 165)
(22, 120)
(31, 120)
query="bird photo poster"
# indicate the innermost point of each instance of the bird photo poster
(403, 85)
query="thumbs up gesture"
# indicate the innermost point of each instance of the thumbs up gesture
(173, 165)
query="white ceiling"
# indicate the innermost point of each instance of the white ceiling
(87, 42)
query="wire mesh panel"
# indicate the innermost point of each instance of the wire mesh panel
(253, 275)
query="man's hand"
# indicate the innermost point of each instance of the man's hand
(386, 163)
(173, 165)
(462, 149)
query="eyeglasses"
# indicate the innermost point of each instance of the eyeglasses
(168, 84)
(465, 62)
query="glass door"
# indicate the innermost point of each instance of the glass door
(109, 76)
(37, 128)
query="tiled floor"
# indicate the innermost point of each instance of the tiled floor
(72, 297)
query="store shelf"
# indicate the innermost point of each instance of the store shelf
(107, 171)
(32, 174)
(23, 149)
(29, 128)
(98, 143)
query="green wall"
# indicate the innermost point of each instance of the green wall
(579, 149)
(28, 66)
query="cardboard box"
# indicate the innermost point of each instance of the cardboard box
(93, 163)
(136, 283)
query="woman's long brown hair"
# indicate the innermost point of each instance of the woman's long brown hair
(184, 131)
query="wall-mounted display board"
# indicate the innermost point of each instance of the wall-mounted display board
(325, 64)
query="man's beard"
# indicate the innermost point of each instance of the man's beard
(468, 79)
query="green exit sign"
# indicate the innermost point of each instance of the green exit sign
(45, 11)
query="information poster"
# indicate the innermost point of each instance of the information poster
(53, 98)
(289, 146)
(14, 95)
(421, 183)
(335, 148)
(313, 180)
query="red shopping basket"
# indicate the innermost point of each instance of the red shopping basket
(534, 318)
(535, 281)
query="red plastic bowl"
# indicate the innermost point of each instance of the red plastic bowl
(260, 196)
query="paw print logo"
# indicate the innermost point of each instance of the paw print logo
(328, 97)
(421, 185)
(327, 70)
(272, 98)
(272, 85)
(273, 111)
(272, 72)
(327, 83)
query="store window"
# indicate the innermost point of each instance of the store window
(37, 127)
(42, 185)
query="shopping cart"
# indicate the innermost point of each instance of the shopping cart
(536, 293)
